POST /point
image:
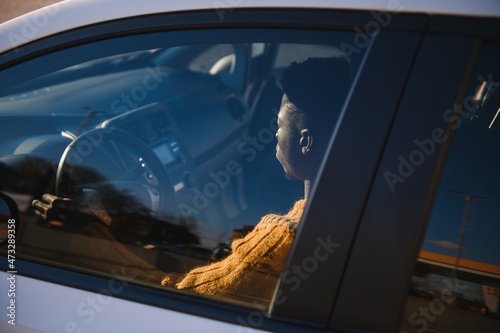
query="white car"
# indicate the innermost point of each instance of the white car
(157, 120)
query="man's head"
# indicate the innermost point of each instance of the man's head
(313, 94)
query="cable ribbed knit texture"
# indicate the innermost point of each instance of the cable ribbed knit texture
(252, 270)
(249, 273)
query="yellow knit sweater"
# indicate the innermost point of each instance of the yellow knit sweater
(252, 270)
(249, 273)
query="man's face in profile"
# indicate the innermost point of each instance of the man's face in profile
(288, 137)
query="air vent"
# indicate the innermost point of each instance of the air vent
(159, 123)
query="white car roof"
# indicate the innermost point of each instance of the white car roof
(71, 14)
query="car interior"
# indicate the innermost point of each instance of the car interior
(170, 138)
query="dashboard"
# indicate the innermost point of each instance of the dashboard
(154, 126)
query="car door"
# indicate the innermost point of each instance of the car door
(200, 95)
(405, 196)
(455, 283)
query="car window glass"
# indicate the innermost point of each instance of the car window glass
(456, 286)
(151, 155)
(288, 53)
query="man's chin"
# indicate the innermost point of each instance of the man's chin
(289, 176)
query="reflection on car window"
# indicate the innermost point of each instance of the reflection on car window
(456, 287)
(206, 60)
(288, 53)
(182, 160)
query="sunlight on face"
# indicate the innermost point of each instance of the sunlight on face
(286, 136)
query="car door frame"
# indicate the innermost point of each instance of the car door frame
(395, 218)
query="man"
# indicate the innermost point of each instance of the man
(314, 92)
(313, 95)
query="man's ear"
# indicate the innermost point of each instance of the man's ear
(306, 141)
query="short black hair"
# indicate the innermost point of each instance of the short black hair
(317, 87)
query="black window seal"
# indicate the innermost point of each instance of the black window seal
(484, 27)
(275, 18)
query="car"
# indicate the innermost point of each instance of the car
(156, 124)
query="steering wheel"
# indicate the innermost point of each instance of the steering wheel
(115, 173)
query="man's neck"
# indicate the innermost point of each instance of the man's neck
(307, 188)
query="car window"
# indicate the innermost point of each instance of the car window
(156, 157)
(456, 285)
